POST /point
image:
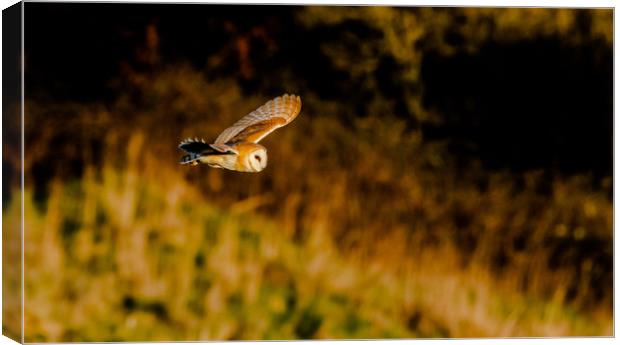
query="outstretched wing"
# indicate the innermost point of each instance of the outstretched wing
(262, 121)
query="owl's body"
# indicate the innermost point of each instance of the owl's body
(237, 148)
(251, 158)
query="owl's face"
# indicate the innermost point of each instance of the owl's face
(256, 160)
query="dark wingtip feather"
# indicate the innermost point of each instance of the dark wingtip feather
(194, 145)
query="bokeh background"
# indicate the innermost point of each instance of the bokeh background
(450, 174)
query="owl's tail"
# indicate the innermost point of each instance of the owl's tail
(192, 158)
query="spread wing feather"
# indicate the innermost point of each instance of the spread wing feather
(258, 124)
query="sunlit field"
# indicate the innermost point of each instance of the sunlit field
(364, 225)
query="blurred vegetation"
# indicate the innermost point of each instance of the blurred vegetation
(388, 210)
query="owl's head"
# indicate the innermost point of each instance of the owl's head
(256, 160)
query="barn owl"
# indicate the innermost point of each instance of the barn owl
(237, 148)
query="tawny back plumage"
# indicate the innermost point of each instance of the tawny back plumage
(256, 125)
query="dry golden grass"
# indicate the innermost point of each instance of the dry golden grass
(117, 256)
(355, 230)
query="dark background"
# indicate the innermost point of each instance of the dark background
(538, 103)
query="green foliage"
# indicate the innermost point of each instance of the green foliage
(221, 275)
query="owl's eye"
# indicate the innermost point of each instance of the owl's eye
(257, 158)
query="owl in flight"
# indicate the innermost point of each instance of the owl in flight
(237, 148)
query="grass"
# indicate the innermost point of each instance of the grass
(358, 228)
(117, 256)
